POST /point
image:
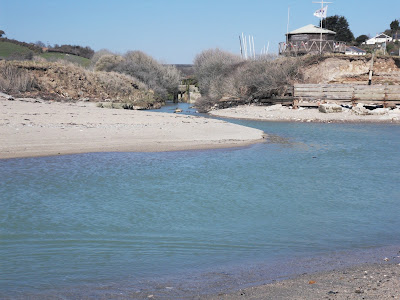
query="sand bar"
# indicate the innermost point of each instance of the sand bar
(30, 127)
(279, 113)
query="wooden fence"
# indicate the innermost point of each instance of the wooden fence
(313, 94)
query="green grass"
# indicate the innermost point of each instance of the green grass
(8, 49)
(54, 56)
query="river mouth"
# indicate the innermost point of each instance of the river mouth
(179, 224)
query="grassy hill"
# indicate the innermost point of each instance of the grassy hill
(54, 56)
(13, 51)
(9, 50)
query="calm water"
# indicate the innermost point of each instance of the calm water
(125, 219)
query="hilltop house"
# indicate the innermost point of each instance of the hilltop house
(310, 39)
(378, 39)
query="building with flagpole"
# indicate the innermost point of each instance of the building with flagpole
(312, 39)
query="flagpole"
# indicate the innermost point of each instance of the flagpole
(320, 24)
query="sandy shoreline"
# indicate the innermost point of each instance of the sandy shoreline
(284, 114)
(366, 281)
(30, 127)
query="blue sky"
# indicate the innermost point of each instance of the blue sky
(174, 31)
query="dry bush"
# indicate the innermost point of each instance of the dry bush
(224, 75)
(265, 79)
(14, 79)
(69, 81)
(98, 54)
(211, 65)
(108, 62)
(162, 79)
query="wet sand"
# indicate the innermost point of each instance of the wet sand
(279, 113)
(30, 127)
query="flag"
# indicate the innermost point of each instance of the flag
(321, 13)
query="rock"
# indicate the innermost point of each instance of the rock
(5, 96)
(359, 109)
(329, 108)
(379, 111)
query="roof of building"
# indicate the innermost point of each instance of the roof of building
(355, 49)
(311, 29)
(382, 36)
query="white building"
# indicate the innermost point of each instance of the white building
(378, 39)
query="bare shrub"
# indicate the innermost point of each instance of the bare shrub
(55, 80)
(14, 79)
(211, 64)
(163, 80)
(98, 54)
(205, 103)
(108, 63)
(224, 75)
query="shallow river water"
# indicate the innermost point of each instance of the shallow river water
(117, 224)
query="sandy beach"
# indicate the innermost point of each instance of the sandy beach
(285, 114)
(369, 281)
(30, 127)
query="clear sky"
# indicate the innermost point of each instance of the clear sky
(174, 31)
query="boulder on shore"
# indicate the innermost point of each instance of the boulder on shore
(330, 108)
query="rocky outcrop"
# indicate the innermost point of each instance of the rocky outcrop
(349, 69)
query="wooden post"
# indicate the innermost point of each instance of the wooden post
(371, 69)
(295, 104)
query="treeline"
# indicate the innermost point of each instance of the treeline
(86, 52)
(162, 79)
(222, 74)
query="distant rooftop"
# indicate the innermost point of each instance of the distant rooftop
(311, 29)
(382, 36)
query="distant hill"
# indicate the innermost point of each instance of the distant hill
(10, 51)
(54, 56)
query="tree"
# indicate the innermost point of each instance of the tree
(339, 25)
(40, 44)
(394, 26)
(361, 39)
(2, 33)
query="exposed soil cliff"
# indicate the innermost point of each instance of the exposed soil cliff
(67, 81)
(350, 69)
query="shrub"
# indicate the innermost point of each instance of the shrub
(108, 63)
(14, 79)
(211, 64)
(56, 80)
(98, 54)
(224, 75)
